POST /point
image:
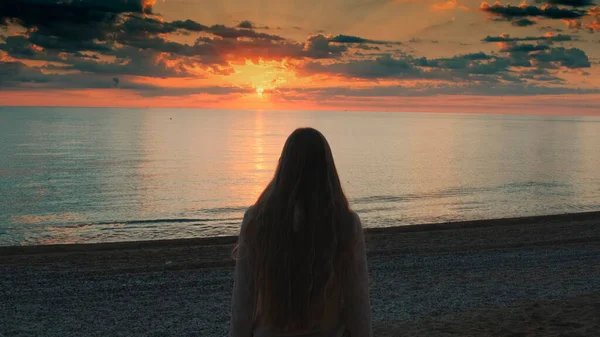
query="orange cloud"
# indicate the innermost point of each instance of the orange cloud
(573, 24)
(594, 26)
(450, 4)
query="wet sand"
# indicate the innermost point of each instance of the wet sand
(536, 276)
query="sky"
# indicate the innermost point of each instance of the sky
(537, 56)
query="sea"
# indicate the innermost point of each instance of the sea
(86, 175)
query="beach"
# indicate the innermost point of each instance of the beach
(534, 276)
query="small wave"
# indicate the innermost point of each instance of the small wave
(225, 209)
(374, 209)
(532, 184)
(463, 192)
(134, 222)
(378, 198)
(153, 221)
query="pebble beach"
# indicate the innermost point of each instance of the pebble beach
(535, 276)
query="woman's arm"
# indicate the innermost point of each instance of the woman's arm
(243, 302)
(357, 302)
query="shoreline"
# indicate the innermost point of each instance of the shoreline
(231, 240)
(532, 276)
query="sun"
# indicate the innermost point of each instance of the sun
(260, 91)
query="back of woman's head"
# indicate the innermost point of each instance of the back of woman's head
(301, 233)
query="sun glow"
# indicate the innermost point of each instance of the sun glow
(263, 76)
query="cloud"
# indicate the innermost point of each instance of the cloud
(319, 46)
(378, 68)
(541, 55)
(74, 33)
(572, 3)
(15, 73)
(475, 66)
(518, 62)
(450, 4)
(367, 47)
(523, 22)
(116, 42)
(246, 25)
(64, 45)
(524, 11)
(593, 26)
(356, 39)
(234, 33)
(73, 20)
(508, 38)
(567, 57)
(550, 29)
(523, 48)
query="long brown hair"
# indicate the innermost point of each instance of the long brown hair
(299, 231)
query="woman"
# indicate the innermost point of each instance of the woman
(300, 261)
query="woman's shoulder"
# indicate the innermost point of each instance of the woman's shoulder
(355, 217)
(248, 214)
(354, 220)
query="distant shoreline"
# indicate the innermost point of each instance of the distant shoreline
(231, 240)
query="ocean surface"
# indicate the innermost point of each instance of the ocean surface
(75, 175)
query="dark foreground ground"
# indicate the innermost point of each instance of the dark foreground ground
(516, 277)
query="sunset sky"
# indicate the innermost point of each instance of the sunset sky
(394, 55)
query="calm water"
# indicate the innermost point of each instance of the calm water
(92, 175)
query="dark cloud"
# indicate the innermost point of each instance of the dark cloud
(319, 46)
(71, 20)
(418, 40)
(524, 11)
(550, 29)
(33, 13)
(541, 56)
(523, 22)
(234, 33)
(138, 25)
(18, 47)
(246, 24)
(145, 64)
(523, 48)
(508, 38)
(69, 46)
(162, 45)
(468, 66)
(16, 73)
(189, 25)
(367, 47)
(381, 67)
(572, 3)
(457, 62)
(479, 67)
(566, 57)
(356, 39)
